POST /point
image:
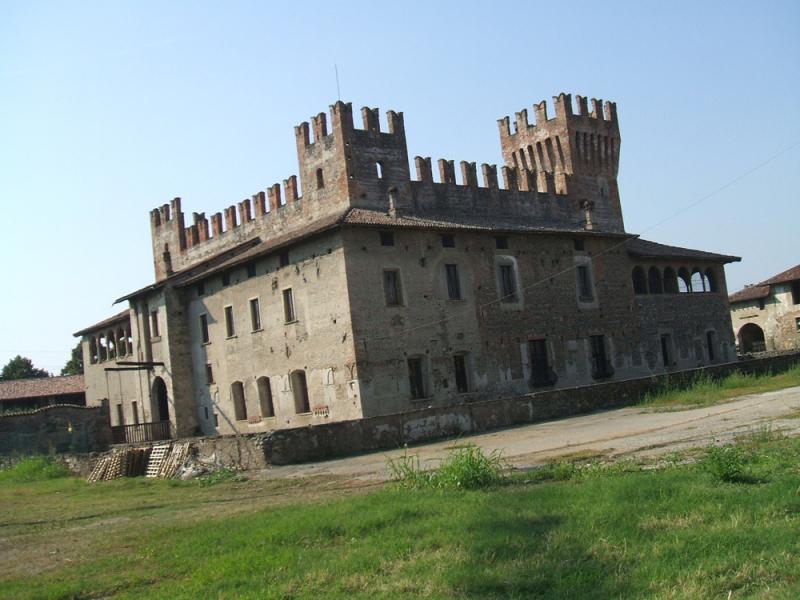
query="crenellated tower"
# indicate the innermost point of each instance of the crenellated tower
(575, 152)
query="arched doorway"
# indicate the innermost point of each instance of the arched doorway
(751, 339)
(159, 400)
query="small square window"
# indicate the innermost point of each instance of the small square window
(387, 238)
(501, 242)
(226, 279)
(578, 243)
(251, 270)
(283, 258)
(448, 240)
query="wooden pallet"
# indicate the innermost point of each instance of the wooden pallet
(157, 457)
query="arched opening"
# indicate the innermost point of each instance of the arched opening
(320, 179)
(698, 281)
(93, 357)
(379, 169)
(684, 283)
(751, 339)
(712, 280)
(670, 281)
(159, 400)
(102, 348)
(122, 342)
(654, 282)
(300, 392)
(639, 281)
(239, 404)
(265, 397)
(112, 349)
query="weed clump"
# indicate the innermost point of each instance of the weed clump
(223, 475)
(35, 468)
(726, 463)
(466, 467)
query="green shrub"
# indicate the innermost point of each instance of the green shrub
(726, 463)
(36, 468)
(465, 468)
(223, 475)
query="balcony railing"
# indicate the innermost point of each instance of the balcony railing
(142, 432)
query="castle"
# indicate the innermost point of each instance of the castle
(375, 293)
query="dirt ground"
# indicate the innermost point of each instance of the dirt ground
(626, 432)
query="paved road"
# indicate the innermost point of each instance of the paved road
(615, 433)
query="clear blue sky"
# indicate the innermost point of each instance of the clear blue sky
(108, 109)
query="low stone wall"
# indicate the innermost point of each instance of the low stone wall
(55, 429)
(318, 442)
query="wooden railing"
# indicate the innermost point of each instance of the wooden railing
(142, 432)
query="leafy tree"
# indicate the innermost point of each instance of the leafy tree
(21, 368)
(75, 364)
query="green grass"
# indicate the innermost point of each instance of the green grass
(605, 531)
(706, 391)
(37, 468)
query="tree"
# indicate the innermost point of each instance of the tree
(21, 368)
(74, 365)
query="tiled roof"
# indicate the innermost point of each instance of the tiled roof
(787, 275)
(648, 249)
(761, 290)
(42, 387)
(117, 318)
(750, 292)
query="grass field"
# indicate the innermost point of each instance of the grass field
(706, 391)
(566, 531)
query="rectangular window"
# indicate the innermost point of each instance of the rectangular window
(135, 412)
(448, 240)
(387, 238)
(288, 306)
(797, 324)
(501, 242)
(508, 284)
(251, 270)
(541, 373)
(209, 374)
(205, 411)
(416, 378)
(283, 258)
(585, 293)
(796, 292)
(460, 366)
(761, 304)
(120, 415)
(578, 244)
(601, 367)
(201, 289)
(204, 328)
(391, 287)
(154, 331)
(453, 283)
(710, 345)
(666, 351)
(226, 279)
(230, 326)
(216, 420)
(255, 315)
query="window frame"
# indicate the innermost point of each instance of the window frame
(230, 322)
(255, 314)
(204, 333)
(289, 309)
(417, 377)
(453, 281)
(392, 287)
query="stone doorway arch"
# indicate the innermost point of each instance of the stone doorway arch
(159, 400)
(751, 339)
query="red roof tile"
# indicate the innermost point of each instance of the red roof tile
(41, 387)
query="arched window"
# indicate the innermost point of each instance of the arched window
(684, 283)
(639, 281)
(102, 348)
(379, 169)
(320, 179)
(711, 280)
(698, 282)
(121, 342)
(112, 349)
(670, 281)
(265, 397)
(300, 392)
(239, 404)
(654, 283)
(93, 356)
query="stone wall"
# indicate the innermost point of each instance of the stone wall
(393, 431)
(56, 429)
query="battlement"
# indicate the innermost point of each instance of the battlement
(601, 114)
(341, 118)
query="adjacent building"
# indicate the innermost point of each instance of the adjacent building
(376, 292)
(30, 394)
(766, 316)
